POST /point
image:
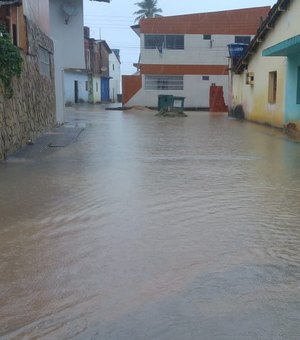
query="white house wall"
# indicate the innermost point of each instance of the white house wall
(196, 92)
(115, 74)
(196, 51)
(68, 47)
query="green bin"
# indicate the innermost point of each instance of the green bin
(165, 101)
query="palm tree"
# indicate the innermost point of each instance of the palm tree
(147, 9)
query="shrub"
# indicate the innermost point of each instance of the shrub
(10, 62)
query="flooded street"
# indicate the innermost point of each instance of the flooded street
(152, 228)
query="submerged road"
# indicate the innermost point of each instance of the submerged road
(140, 227)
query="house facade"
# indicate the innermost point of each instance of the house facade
(92, 83)
(114, 75)
(76, 85)
(97, 67)
(184, 55)
(265, 83)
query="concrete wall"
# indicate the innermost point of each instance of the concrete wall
(196, 92)
(32, 108)
(254, 98)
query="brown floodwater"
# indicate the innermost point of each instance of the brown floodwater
(152, 228)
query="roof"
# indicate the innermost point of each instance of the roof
(10, 2)
(19, 2)
(277, 10)
(116, 52)
(105, 44)
(239, 21)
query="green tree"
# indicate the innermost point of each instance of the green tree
(148, 9)
(10, 62)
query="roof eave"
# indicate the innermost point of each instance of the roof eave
(10, 2)
(276, 11)
(136, 29)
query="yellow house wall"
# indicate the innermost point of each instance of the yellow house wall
(254, 98)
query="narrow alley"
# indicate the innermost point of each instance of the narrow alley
(124, 225)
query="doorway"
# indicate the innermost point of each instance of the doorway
(76, 97)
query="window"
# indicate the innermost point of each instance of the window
(97, 87)
(164, 83)
(272, 87)
(242, 39)
(175, 42)
(86, 85)
(170, 42)
(250, 78)
(44, 61)
(205, 77)
(154, 41)
(206, 36)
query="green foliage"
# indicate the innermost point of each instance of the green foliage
(10, 61)
(148, 9)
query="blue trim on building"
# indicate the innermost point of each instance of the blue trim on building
(292, 109)
(283, 49)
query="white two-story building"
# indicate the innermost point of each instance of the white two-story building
(184, 55)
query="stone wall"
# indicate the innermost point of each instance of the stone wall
(31, 110)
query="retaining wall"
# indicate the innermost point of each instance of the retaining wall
(31, 110)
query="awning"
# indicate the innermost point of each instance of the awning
(284, 48)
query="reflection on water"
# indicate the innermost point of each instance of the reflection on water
(153, 228)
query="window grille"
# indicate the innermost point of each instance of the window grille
(167, 83)
(44, 62)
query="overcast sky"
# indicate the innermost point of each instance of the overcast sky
(112, 21)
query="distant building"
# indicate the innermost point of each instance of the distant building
(92, 82)
(115, 75)
(97, 66)
(265, 83)
(184, 55)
